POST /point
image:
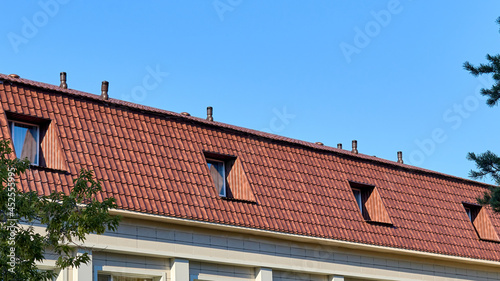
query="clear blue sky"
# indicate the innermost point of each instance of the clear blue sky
(386, 73)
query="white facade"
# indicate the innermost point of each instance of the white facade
(148, 247)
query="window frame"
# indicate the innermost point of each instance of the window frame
(112, 277)
(38, 142)
(358, 196)
(209, 161)
(130, 272)
(468, 211)
(471, 210)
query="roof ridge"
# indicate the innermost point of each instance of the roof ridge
(234, 127)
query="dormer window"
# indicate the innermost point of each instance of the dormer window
(229, 177)
(481, 222)
(217, 170)
(370, 204)
(26, 141)
(36, 139)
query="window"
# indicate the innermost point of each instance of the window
(218, 172)
(481, 222)
(45, 270)
(469, 213)
(104, 277)
(370, 204)
(38, 140)
(26, 141)
(361, 194)
(357, 196)
(229, 177)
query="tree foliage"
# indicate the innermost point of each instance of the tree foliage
(493, 67)
(33, 225)
(488, 163)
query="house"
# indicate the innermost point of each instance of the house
(207, 201)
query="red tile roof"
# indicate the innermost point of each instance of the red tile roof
(153, 161)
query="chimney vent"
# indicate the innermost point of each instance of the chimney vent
(63, 80)
(319, 143)
(339, 145)
(185, 114)
(400, 157)
(104, 90)
(355, 147)
(210, 112)
(13, 76)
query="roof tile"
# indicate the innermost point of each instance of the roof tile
(154, 163)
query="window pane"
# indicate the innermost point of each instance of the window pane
(122, 278)
(217, 173)
(25, 138)
(357, 195)
(469, 213)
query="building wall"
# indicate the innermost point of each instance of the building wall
(222, 272)
(145, 248)
(279, 275)
(129, 265)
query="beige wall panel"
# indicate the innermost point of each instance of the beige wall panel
(212, 271)
(297, 276)
(234, 252)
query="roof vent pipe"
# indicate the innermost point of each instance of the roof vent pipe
(63, 81)
(355, 147)
(210, 112)
(400, 157)
(104, 90)
(339, 145)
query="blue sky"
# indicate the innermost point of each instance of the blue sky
(386, 73)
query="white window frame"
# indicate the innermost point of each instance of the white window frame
(224, 185)
(156, 275)
(37, 158)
